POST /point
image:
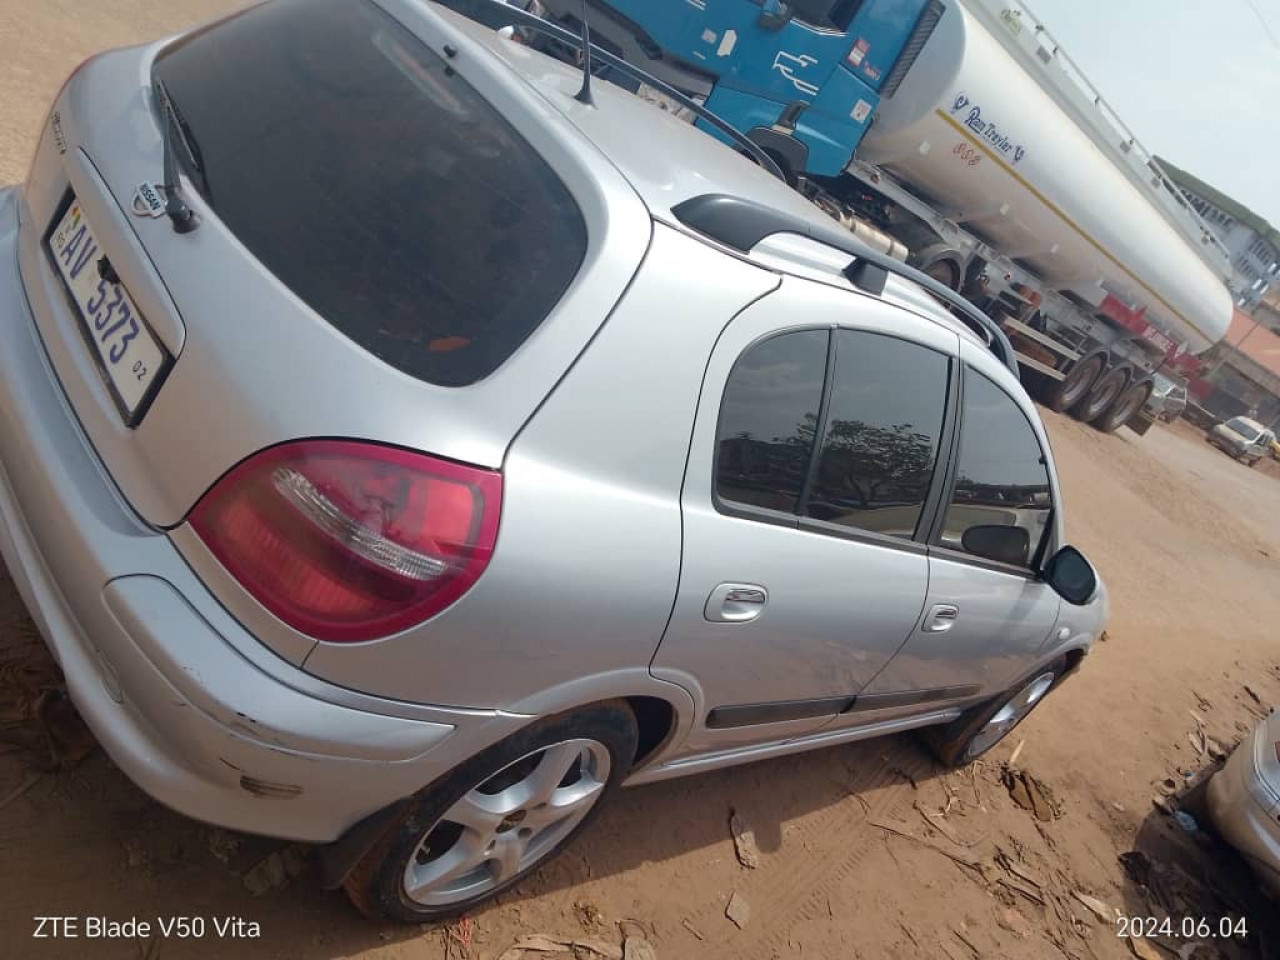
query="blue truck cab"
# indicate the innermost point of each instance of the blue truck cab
(803, 78)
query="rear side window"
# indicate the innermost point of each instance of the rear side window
(768, 417)
(880, 445)
(376, 184)
(1001, 476)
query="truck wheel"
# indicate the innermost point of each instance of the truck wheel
(946, 272)
(496, 817)
(1123, 410)
(1101, 395)
(1065, 393)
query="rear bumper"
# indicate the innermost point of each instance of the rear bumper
(185, 702)
(1245, 810)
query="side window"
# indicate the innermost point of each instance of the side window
(1001, 477)
(768, 418)
(880, 445)
(824, 14)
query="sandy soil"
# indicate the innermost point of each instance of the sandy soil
(1188, 541)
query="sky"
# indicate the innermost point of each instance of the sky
(1198, 81)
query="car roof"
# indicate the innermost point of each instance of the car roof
(691, 163)
(1249, 422)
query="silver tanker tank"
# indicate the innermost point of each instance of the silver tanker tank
(977, 136)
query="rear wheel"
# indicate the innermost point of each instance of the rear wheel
(1102, 395)
(1066, 393)
(1124, 408)
(979, 729)
(496, 817)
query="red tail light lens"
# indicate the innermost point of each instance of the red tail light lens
(350, 541)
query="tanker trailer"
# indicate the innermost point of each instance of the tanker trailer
(977, 157)
(1095, 283)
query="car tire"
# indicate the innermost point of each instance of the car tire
(429, 866)
(980, 728)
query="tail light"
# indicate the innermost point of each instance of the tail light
(348, 541)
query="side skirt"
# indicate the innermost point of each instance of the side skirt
(728, 758)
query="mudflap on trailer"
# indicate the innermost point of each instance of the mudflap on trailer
(1140, 422)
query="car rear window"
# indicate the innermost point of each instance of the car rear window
(1243, 428)
(376, 183)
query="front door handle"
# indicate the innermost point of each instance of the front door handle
(735, 603)
(941, 618)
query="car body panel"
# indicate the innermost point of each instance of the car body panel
(591, 499)
(1244, 801)
(1004, 616)
(821, 634)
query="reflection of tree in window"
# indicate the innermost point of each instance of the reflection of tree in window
(774, 391)
(881, 438)
(1001, 477)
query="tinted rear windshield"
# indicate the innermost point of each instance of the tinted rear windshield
(376, 183)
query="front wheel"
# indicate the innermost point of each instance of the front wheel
(979, 729)
(496, 817)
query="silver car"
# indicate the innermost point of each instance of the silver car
(400, 453)
(1244, 800)
(1242, 438)
(1168, 399)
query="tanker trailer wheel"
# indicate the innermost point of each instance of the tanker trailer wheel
(945, 271)
(1102, 395)
(1063, 394)
(1126, 405)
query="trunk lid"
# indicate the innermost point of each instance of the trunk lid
(392, 247)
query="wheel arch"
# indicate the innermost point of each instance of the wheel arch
(664, 710)
(789, 152)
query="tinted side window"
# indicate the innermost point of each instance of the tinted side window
(888, 399)
(768, 418)
(1001, 477)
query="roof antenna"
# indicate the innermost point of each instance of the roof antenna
(584, 94)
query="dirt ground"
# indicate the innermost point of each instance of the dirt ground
(867, 850)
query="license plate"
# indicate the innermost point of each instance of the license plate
(131, 358)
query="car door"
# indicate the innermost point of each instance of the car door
(985, 619)
(800, 576)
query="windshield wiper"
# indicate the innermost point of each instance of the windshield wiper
(171, 126)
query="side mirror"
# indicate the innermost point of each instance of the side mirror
(776, 18)
(998, 542)
(1072, 576)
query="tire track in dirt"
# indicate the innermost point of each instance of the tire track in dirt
(823, 849)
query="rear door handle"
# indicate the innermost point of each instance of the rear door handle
(941, 618)
(735, 603)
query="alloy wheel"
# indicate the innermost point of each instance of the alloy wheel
(504, 826)
(1010, 714)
